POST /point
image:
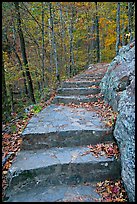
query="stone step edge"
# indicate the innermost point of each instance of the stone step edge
(79, 98)
(53, 163)
(81, 91)
(67, 138)
(78, 88)
(60, 193)
(88, 77)
(55, 155)
(80, 81)
(89, 96)
(79, 84)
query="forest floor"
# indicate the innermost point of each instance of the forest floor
(11, 141)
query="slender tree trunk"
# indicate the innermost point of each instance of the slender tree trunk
(123, 24)
(54, 41)
(64, 59)
(77, 55)
(97, 35)
(93, 42)
(123, 31)
(5, 104)
(51, 48)
(23, 51)
(89, 45)
(4, 91)
(130, 19)
(11, 97)
(43, 51)
(118, 28)
(67, 62)
(71, 60)
(88, 51)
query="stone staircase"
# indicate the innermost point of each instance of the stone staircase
(54, 164)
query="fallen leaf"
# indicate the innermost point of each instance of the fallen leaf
(5, 172)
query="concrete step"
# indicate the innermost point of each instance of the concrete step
(61, 193)
(77, 91)
(75, 99)
(63, 126)
(57, 166)
(76, 84)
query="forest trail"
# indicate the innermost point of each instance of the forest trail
(56, 162)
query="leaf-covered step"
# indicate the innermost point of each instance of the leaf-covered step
(59, 125)
(78, 91)
(75, 84)
(57, 166)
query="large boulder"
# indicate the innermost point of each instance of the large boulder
(119, 75)
(118, 88)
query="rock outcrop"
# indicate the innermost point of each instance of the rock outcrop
(118, 88)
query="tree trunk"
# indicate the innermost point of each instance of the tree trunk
(118, 28)
(51, 50)
(130, 19)
(93, 42)
(54, 41)
(23, 52)
(64, 58)
(71, 59)
(89, 45)
(97, 35)
(123, 34)
(5, 105)
(43, 51)
(11, 97)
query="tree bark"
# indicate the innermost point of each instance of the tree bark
(71, 59)
(93, 42)
(64, 58)
(130, 19)
(5, 105)
(51, 48)
(54, 41)
(43, 51)
(118, 28)
(23, 52)
(11, 97)
(89, 45)
(97, 35)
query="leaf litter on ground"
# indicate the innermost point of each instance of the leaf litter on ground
(104, 110)
(112, 191)
(109, 149)
(12, 140)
